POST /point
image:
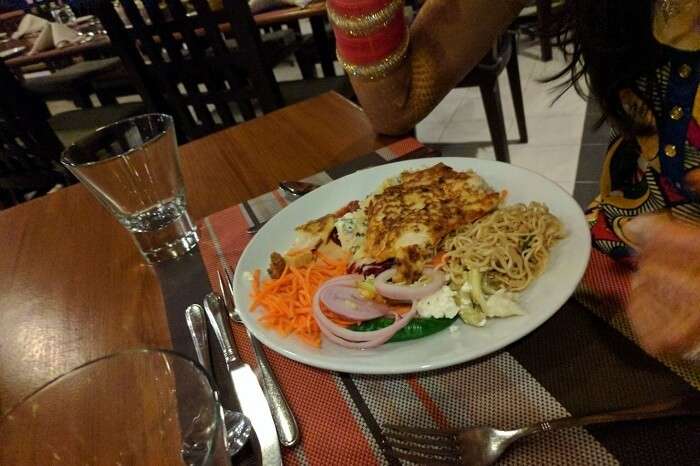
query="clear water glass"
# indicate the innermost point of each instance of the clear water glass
(132, 168)
(138, 407)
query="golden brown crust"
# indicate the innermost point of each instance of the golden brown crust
(407, 221)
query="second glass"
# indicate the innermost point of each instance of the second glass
(138, 407)
(132, 168)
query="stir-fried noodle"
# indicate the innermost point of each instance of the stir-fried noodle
(511, 246)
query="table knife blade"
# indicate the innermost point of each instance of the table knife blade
(248, 391)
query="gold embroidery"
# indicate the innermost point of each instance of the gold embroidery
(670, 8)
(364, 25)
(676, 24)
(379, 69)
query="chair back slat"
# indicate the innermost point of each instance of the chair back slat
(206, 68)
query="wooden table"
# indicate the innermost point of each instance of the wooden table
(75, 288)
(99, 44)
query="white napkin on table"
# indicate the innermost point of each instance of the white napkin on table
(54, 35)
(29, 24)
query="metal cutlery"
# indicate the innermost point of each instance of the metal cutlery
(249, 394)
(296, 189)
(197, 324)
(286, 424)
(481, 446)
(255, 228)
(236, 425)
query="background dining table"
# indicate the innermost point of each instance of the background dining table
(73, 287)
(101, 44)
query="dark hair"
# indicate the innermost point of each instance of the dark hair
(609, 44)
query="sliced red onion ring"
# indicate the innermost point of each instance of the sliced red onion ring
(348, 302)
(352, 339)
(408, 292)
(372, 343)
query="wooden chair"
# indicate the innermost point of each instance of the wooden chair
(504, 56)
(535, 20)
(182, 64)
(29, 148)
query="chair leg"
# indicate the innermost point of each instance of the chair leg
(325, 52)
(516, 90)
(544, 16)
(491, 96)
(306, 64)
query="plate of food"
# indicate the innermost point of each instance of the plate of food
(412, 266)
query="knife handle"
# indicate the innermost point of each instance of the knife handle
(287, 428)
(222, 330)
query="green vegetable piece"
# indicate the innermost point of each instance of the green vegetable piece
(416, 328)
(472, 315)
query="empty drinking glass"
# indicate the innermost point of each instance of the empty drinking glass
(138, 407)
(132, 168)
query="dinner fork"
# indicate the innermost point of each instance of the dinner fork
(286, 424)
(481, 446)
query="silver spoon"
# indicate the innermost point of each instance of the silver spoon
(297, 188)
(237, 426)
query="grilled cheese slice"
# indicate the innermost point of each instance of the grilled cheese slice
(407, 221)
(315, 235)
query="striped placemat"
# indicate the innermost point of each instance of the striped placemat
(577, 363)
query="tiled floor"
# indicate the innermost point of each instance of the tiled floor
(555, 128)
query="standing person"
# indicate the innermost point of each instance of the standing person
(640, 60)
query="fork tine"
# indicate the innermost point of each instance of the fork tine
(229, 278)
(430, 449)
(419, 431)
(420, 439)
(424, 459)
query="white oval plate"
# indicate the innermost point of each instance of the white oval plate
(458, 343)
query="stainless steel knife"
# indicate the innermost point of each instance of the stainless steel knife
(247, 389)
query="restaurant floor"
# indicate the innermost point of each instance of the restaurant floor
(555, 129)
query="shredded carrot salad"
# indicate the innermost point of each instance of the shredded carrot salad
(286, 300)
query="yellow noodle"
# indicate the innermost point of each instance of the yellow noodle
(511, 246)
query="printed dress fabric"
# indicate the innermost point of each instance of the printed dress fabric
(646, 174)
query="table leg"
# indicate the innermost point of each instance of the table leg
(321, 39)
